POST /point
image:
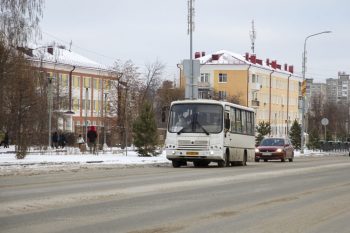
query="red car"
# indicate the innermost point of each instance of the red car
(274, 149)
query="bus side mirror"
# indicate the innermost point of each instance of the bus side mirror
(227, 123)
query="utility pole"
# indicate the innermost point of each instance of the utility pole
(190, 31)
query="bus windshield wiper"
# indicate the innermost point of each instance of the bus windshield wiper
(205, 131)
(180, 131)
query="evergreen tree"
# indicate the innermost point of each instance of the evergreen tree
(314, 140)
(295, 135)
(263, 129)
(145, 131)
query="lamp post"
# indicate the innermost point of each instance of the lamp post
(104, 124)
(50, 107)
(86, 111)
(303, 97)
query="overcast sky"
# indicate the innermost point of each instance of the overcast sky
(144, 31)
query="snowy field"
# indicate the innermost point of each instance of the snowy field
(72, 159)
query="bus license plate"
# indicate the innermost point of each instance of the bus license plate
(191, 153)
(266, 153)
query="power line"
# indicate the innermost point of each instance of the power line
(100, 54)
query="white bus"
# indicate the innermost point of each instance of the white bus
(204, 131)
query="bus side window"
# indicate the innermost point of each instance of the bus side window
(233, 120)
(238, 121)
(244, 122)
(249, 123)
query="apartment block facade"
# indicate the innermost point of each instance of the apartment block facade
(338, 90)
(272, 89)
(78, 84)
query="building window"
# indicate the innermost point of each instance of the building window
(86, 82)
(76, 81)
(254, 78)
(222, 95)
(222, 78)
(204, 77)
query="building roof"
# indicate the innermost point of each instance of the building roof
(224, 57)
(60, 55)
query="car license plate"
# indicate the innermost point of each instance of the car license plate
(191, 153)
(266, 153)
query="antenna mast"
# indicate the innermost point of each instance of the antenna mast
(190, 30)
(252, 34)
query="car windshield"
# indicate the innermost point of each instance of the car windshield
(272, 142)
(196, 118)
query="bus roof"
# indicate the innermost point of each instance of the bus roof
(207, 101)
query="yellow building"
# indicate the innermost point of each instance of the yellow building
(268, 87)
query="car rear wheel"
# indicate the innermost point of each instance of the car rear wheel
(265, 160)
(257, 160)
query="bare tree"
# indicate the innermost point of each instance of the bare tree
(19, 20)
(19, 91)
(165, 95)
(152, 80)
(124, 93)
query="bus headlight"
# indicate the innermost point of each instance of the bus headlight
(211, 152)
(173, 152)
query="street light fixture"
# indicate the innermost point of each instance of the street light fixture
(303, 97)
(105, 117)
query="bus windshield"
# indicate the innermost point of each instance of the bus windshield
(196, 118)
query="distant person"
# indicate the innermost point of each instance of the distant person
(81, 143)
(62, 140)
(92, 136)
(55, 140)
(5, 142)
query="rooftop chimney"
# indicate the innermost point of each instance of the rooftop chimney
(215, 57)
(274, 64)
(267, 62)
(285, 67)
(197, 55)
(247, 56)
(291, 69)
(203, 54)
(253, 58)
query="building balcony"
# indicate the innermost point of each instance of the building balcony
(203, 85)
(255, 86)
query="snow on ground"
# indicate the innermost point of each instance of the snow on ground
(70, 159)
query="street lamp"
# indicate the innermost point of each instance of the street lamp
(86, 111)
(303, 97)
(50, 107)
(105, 115)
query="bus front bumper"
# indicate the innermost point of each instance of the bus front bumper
(194, 155)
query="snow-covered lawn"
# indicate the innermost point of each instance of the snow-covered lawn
(71, 158)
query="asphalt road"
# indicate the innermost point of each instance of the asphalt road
(307, 195)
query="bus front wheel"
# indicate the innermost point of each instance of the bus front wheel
(176, 163)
